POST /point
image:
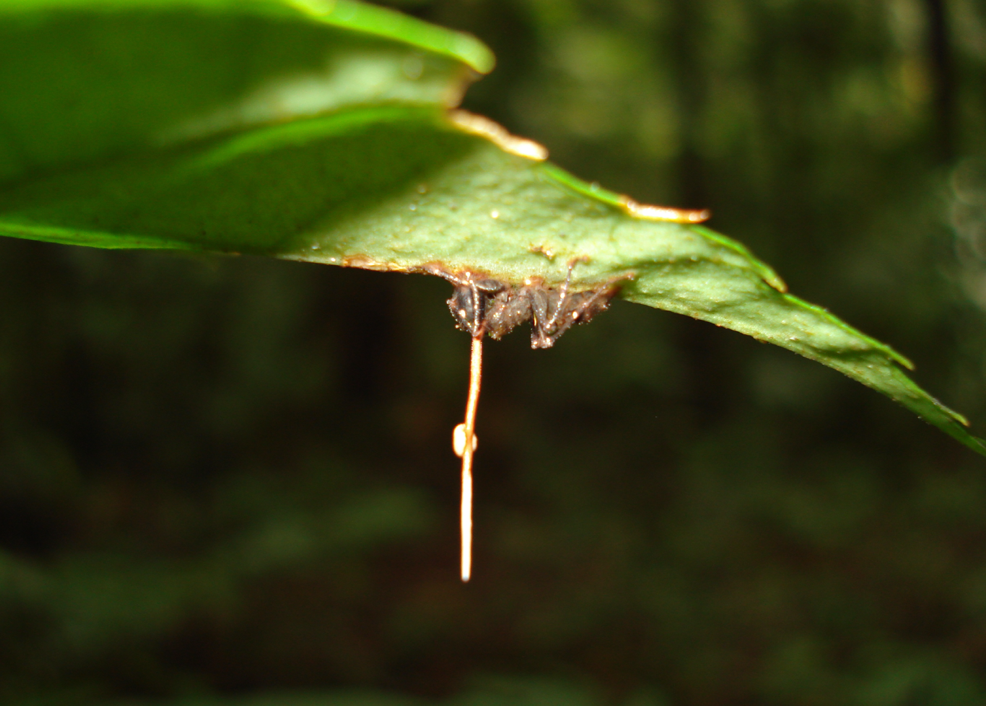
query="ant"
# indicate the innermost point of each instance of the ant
(483, 305)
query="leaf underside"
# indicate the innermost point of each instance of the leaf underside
(335, 144)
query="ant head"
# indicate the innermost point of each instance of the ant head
(465, 306)
(469, 302)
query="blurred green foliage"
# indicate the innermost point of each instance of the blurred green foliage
(230, 481)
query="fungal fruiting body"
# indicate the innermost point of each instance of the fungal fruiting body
(483, 305)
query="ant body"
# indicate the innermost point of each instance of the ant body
(485, 305)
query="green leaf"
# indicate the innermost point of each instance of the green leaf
(385, 180)
(87, 80)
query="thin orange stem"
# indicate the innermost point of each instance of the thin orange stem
(467, 481)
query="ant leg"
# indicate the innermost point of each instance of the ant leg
(548, 323)
(539, 298)
(563, 292)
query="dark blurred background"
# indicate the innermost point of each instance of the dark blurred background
(228, 481)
